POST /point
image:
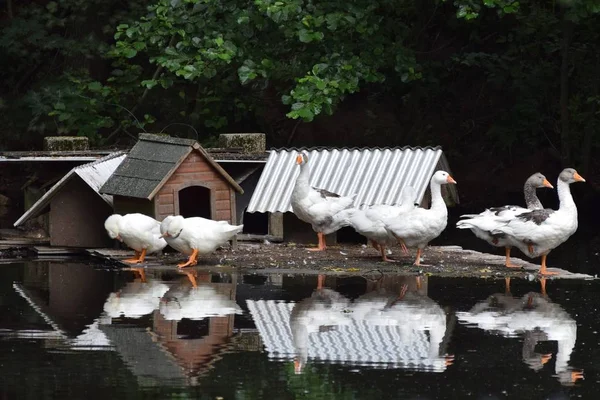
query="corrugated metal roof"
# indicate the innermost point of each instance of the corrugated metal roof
(93, 174)
(357, 343)
(152, 160)
(376, 175)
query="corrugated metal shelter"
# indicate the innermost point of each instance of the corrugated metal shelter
(163, 175)
(375, 175)
(76, 210)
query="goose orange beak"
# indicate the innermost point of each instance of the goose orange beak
(578, 177)
(450, 180)
(299, 159)
(547, 184)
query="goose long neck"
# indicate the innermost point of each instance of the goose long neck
(531, 199)
(437, 201)
(565, 197)
(302, 186)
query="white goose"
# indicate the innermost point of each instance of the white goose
(177, 243)
(483, 223)
(138, 231)
(317, 207)
(200, 234)
(538, 232)
(419, 226)
(371, 222)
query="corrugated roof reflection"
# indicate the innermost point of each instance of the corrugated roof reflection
(376, 175)
(358, 343)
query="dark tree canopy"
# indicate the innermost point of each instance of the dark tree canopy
(505, 76)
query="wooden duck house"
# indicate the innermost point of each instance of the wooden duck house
(164, 175)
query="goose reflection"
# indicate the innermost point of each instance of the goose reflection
(323, 311)
(408, 312)
(137, 298)
(535, 317)
(195, 301)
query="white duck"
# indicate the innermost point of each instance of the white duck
(317, 207)
(538, 232)
(483, 223)
(138, 231)
(196, 303)
(177, 243)
(419, 226)
(371, 222)
(200, 234)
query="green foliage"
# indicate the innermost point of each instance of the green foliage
(459, 73)
(315, 53)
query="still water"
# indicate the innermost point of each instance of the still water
(69, 330)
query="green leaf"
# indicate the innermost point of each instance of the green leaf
(305, 36)
(94, 86)
(149, 83)
(130, 52)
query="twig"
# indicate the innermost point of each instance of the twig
(181, 123)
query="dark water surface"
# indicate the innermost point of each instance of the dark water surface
(70, 331)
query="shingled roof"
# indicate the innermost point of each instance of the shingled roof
(151, 162)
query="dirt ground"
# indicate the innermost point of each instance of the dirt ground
(448, 261)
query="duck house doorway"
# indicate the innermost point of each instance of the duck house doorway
(195, 201)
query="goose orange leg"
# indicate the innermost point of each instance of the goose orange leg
(322, 246)
(383, 255)
(543, 286)
(507, 262)
(507, 285)
(139, 258)
(141, 272)
(402, 245)
(192, 279)
(320, 281)
(576, 375)
(193, 260)
(543, 270)
(418, 259)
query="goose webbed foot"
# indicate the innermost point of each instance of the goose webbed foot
(193, 260)
(322, 245)
(507, 263)
(543, 270)
(139, 258)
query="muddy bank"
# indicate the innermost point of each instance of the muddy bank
(447, 261)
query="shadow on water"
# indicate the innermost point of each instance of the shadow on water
(162, 333)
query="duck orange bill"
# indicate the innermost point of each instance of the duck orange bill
(450, 179)
(578, 177)
(299, 159)
(547, 184)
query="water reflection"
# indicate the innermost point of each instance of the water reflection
(196, 302)
(282, 336)
(534, 317)
(137, 298)
(394, 325)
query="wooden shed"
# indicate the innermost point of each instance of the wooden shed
(164, 175)
(73, 210)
